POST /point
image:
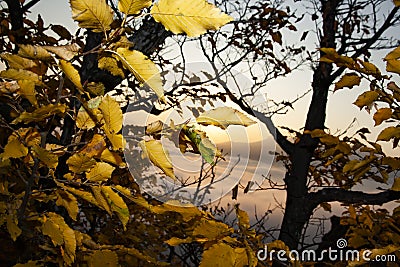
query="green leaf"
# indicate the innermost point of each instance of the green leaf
(223, 117)
(193, 17)
(348, 80)
(143, 68)
(132, 7)
(92, 14)
(156, 153)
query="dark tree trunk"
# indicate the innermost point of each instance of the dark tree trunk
(299, 208)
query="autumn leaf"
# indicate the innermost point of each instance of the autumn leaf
(101, 172)
(17, 62)
(112, 114)
(66, 52)
(331, 56)
(27, 90)
(69, 202)
(396, 185)
(223, 117)
(21, 74)
(79, 163)
(394, 54)
(389, 133)
(117, 204)
(396, 2)
(83, 120)
(382, 115)
(348, 80)
(219, 255)
(92, 14)
(41, 113)
(111, 64)
(12, 226)
(101, 199)
(393, 66)
(143, 68)
(326, 206)
(71, 73)
(190, 17)
(243, 218)
(155, 152)
(95, 147)
(34, 52)
(14, 149)
(47, 157)
(366, 99)
(112, 157)
(61, 234)
(103, 258)
(132, 7)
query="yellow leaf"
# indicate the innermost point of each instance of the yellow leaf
(29, 264)
(14, 149)
(20, 74)
(112, 157)
(12, 226)
(331, 56)
(117, 141)
(92, 14)
(218, 255)
(101, 172)
(48, 158)
(112, 114)
(66, 52)
(71, 73)
(69, 202)
(143, 68)
(103, 258)
(95, 147)
(27, 90)
(191, 17)
(211, 230)
(96, 89)
(155, 152)
(366, 99)
(348, 80)
(60, 233)
(396, 185)
(100, 199)
(396, 2)
(382, 115)
(243, 218)
(393, 66)
(78, 163)
(82, 194)
(117, 204)
(111, 64)
(223, 117)
(41, 113)
(389, 133)
(394, 54)
(34, 52)
(132, 7)
(17, 62)
(84, 121)
(188, 212)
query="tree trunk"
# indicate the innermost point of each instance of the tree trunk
(298, 205)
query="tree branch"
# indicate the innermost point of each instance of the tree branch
(352, 197)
